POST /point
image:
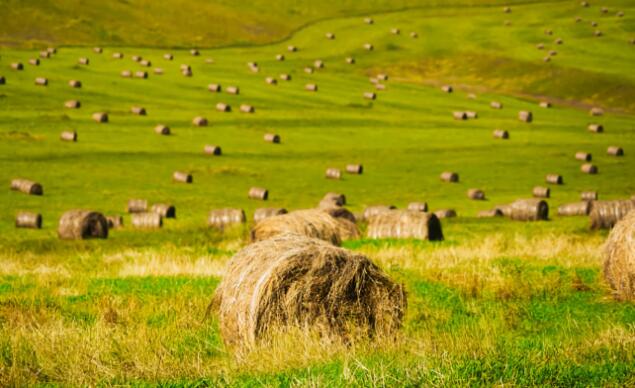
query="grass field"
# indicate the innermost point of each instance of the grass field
(497, 302)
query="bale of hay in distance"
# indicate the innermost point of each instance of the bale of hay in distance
(72, 104)
(313, 223)
(141, 74)
(245, 108)
(117, 55)
(82, 224)
(17, 66)
(545, 104)
(500, 134)
(372, 211)
(34, 62)
(311, 87)
(258, 193)
(334, 199)
(28, 220)
(214, 88)
(136, 58)
(619, 258)
(615, 151)
(294, 281)
(405, 224)
(447, 88)
(266, 212)
(232, 90)
(582, 208)
(584, 156)
(138, 110)
(459, 115)
(292, 48)
(449, 176)
(445, 213)
(41, 81)
(146, 220)
(554, 179)
(368, 20)
(589, 196)
(279, 57)
(370, 95)
(194, 52)
(145, 63)
(199, 121)
(418, 206)
(68, 136)
(271, 81)
(476, 194)
(75, 83)
(471, 114)
(380, 86)
(285, 77)
(100, 117)
(222, 218)
(272, 138)
(165, 210)
(83, 61)
(27, 187)
(496, 105)
(532, 209)
(350, 60)
(212, 150)
(605, 214)
(137, 206)
(356, 169)
(168, 56)
(368, 46)
(541, 192)
(333, 173)
(162, 129)
(222, 107)
(490, 213)
(595, 128)
(395, 31)
(340, 213)
(126, 73)
(414, 35)
(330, 35)
(98, 50)
(182, 177)
(589, 168)
(114, 222)
(595, 111)
(525, 116)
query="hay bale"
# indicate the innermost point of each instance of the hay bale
(605, 214)
(507, 10)
(459, 115)
(619, 258)
(245, 108)
(45, 54)
(82, 224)
(199, 121)
(418, 206)
(98, 50)
(114, 222)
(372, 211)
(369, 20)
(272, 138)
(553, 53)
(182, 177)
(493, 213)
(17, 66)
(222, 107)
(546, 59)
(554, 179)
(117, 55)
(164, 209)
(596, 128)
(318, 64)
(356, 169)
(575, 209)
(141, 74)
(185, 67)
(138, 110)
(405, 224)
(598, 33)
(584, 4)
(126, 73)
(314, 223)
(194, 52)
(525, 116)
(414, 35)
(541, 192)
(137, 206)
(41, 81)
(232, 90)
(308, 70)
(146, 220)
(589, 168)
(395, 31)
(545, 104)
(615, 151)
(136, 58)
(259, 193)
(271, 81)
(532, 209)
(476, 194)
(589, 195)
(500, 134)
(280, 57)
(330, 35)
(350, 60)
(382, 77)
(162, 129)
(187, 72)
(294, 281)
(334, 199)
(168, 56)
(471, 114)
(72, 104)
(292, 48)
(370, 95)
(145, 63)
(212, 150)
(445, 213)
(333, 173)
(380, 86)
(100, 117)
(27, 187)
(505, 210)
(285, 77)
(496, 105)
(34, 62)
(368, 47)
(340, 213)
(75, 84)
(447, 88)
(214, 88)
(584, 156)
(266, 212)
(83, 61)
(558, 41)
(28, 220)
(222, 218)
(595, 111)
(68, 136)
(448, 176)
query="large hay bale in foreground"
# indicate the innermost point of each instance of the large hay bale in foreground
(605, 214)
(82, 224)
(266, 212)
(532, 209)
(147, 220)
(582, 208)
(26, 186)
(221, 218)
(28, 220)
(313, 223)
(294, 281)
(619, 258)
(405, 224)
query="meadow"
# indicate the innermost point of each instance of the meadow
(497, 303)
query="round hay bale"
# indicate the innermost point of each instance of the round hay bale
(605, 214)
(339, 213)
(222, 218)
(553, 53)
(187, 72)
(141, 74)
(308, 70)
(82, 224)
(232, 90)
(458, 115)
(595, 111)
(214, 88)
(418, 206)
(26, 186)
(447, 88)
(137, 206)
(350, 60)
(194, 52)
(185, 67)
(313, 223)
(368, 20)
(554, 179)
(72, 104)
(34, 62)
(311, 87)
(292, 48)
(558, 41)
(158, 71)
(165, 210)
(146, 220)
(333, 173)
(500, 134)
(222, 107)
(496, 105)
(372, 211)
(162, 129)
(589, 196)
(545, 104)
(330, 35)
(370, 95)
(114, 222)
(546, 59)
(380, 86)
(117, 55)
(212, 150)
(595, 128)
(199, 121)
(395, 31)
(258, 193)
(471, 115)
(532, 209)
(525, 116)
(17, 66)
(619, 258)
(584, 156)
(575, 209)
(507, 10)
(445, 213)
(541, 192)
(136, 58)
(83, 61)
(126, 73)
(589, 168)
(414, 35)
(598, 33)
(145, 63)
(506, 210)
(138, 110)
(448, 176)
(405, 224)
(68, 136)
(493, 213)
(294, 281)
(75, 83)
(100, 117)
(356, 169)
(98, 50)
(285, 77)
(334, 199)
(280, 57)
(271, 81)
(41, 81)
(272, 138)
(245, 108)
(615, 151)
(584, 4)
(266, 212)
(476, 194)
(168, 56)
(182, 177)
(382, 77)
(28, 220)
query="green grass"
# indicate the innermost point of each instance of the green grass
(496, 303)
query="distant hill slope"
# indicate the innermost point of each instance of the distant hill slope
(180, 23)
